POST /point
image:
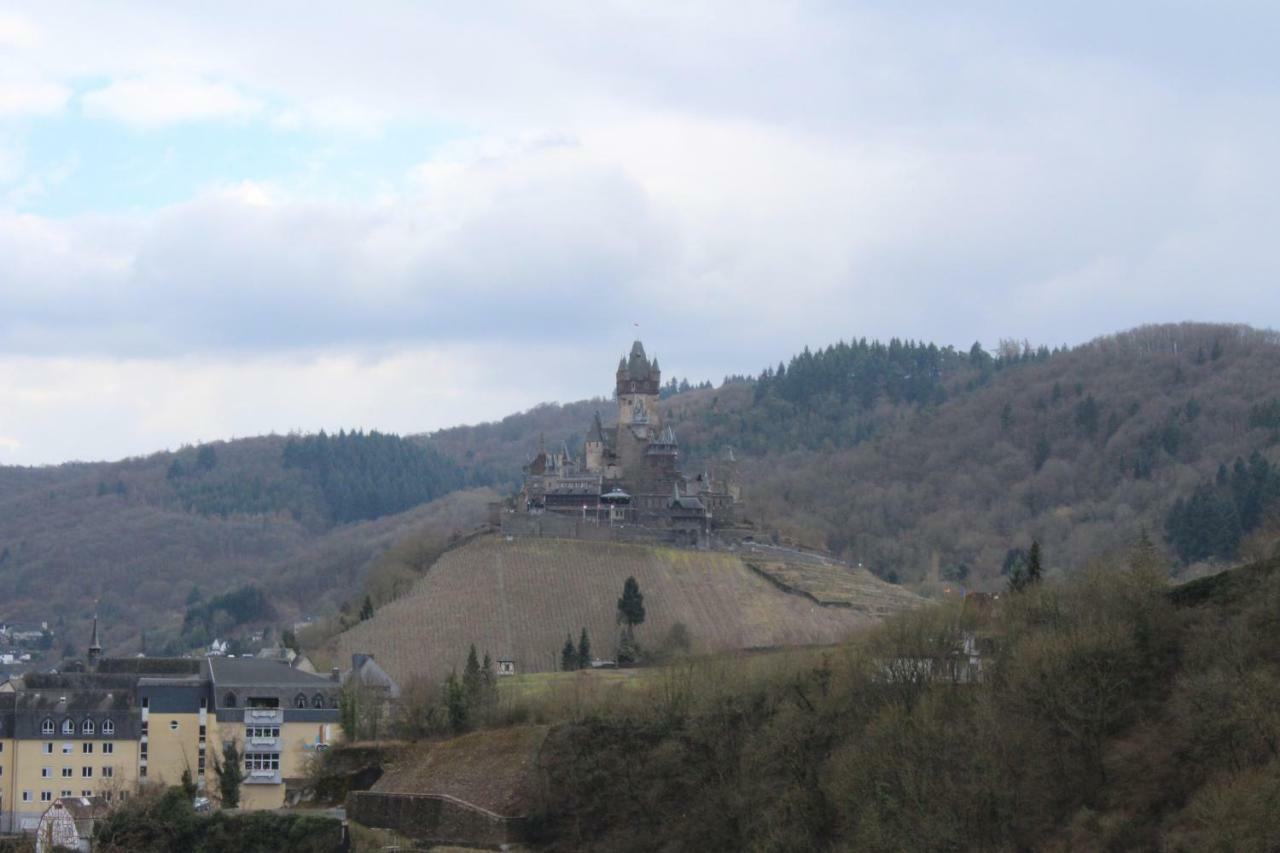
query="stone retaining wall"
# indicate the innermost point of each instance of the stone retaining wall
(434, 818)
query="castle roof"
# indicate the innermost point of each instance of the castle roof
(637, 366)
(679, 501)
(596, 433)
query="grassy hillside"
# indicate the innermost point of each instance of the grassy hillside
(521, 598)
(137, 536)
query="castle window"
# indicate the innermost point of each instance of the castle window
(46, 727)
(300, 701)
(317, 701)
(229, 700)
(87, 727)
(108, 728)
(68, 726)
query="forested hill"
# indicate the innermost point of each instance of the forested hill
(301, 517)
(928, 462)
(925, 463)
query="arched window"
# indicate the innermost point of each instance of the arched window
(317, 701)
(87, 727)
(229, 700)
(300, 701)
(68, 726)
(47, 726)
(108, 728)
(333, 702)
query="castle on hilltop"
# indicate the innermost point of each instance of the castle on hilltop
(628, 474)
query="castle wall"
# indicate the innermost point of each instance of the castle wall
(555, 526)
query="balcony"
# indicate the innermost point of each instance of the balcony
(262, 744)
(262, 777)
(263, 716)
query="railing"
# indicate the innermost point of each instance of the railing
(263, 716)
(262, 744)
(262, 777)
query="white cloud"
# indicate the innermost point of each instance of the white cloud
(31, 98)
(743, 179)
(158, 100)
(138, 406)
(17, 32)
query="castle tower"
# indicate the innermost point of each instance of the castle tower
(637, 389)
(95, 645)
(595, 446)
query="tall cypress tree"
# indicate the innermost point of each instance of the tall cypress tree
(1034, 572)
(631, 604)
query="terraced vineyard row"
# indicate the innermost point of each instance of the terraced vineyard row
(520, 598)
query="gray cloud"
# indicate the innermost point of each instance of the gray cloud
(741, 179)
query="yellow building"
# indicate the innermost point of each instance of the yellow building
(139, 721)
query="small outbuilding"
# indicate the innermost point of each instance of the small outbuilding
(68, 823)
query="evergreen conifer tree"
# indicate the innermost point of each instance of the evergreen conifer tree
(631, 604)
(1034, 572)
(568, 655)
(584, 650)
(366, 609)
(230, 773)
(472, 681)
(455, 703)
(188, 784)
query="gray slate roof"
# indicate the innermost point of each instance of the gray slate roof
(255, 672)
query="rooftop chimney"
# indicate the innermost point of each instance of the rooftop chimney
(335, 674)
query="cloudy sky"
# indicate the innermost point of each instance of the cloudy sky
(223, 219)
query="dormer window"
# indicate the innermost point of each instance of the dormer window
(46, 727)
(68, 726)
(317, 701)
(87, 727)
(300, 701)
(108, 728)
(229, 700)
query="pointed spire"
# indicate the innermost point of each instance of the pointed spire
(95, 643)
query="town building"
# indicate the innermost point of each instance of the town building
(130, 722)
(68, 824)
(628, 473)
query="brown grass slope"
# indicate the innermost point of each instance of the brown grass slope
(521, 598)
(495, 770)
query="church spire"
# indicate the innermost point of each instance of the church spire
(95, 644)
